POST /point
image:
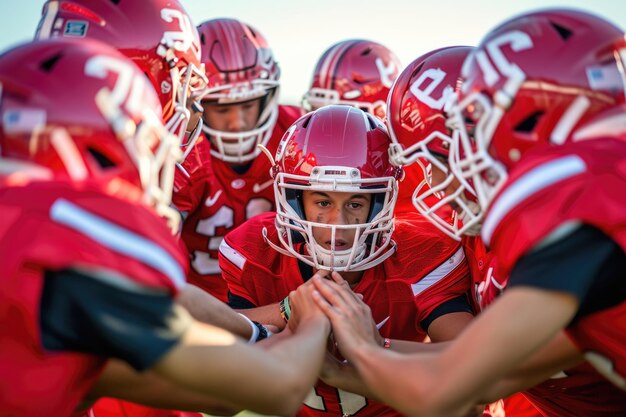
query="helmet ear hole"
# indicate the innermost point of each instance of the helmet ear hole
(529, 123)
(49, 64)
(101, 159)
(563, 32)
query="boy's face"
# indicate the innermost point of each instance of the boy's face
(233, 117)
(336, 208)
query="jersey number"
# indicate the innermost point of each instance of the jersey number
(203, 263)
(349, 402)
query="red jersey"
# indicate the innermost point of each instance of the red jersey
(426, 270)
(55, 226)
(578, 182)
(217, 199)
(413, 177)
(111, 407)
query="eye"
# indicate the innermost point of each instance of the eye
(353, 205)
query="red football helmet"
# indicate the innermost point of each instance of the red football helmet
(416, 121)
(355, 72)
(336, 148)
(156, 34)
(81, 111)
(240, 67)
(531, 82)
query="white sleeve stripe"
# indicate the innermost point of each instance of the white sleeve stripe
(117, 238)
(530, 183)
(117, 280)
(232, 255)
(439, 273)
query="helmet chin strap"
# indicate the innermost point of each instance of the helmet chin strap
(331, 259)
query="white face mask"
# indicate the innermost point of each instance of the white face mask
(371, 243)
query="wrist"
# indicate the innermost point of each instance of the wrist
(258, 331)
(285, 309)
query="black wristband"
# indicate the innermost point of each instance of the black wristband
(263, 332)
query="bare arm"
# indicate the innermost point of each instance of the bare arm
(426, 384)
(558, 355)
(212, 361)
(119, 380)
(205, 308)
(268, 314)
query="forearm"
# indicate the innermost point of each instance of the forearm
(394, 377)
(207, 309)
(119, 380)
(268, 314)
(215, 363)
(345, 377)
(559, 355)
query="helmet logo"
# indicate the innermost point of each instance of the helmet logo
(129, 88)
(179, 40)
(386, 72)
(436, 76)
(517, 40)
(166, 87)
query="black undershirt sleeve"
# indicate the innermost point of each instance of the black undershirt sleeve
(458, 304)
(85, 314)
(239, 303)
(585, 263)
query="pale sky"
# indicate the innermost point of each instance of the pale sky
(299, 31)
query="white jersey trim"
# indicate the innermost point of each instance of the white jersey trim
(232, 255)
(118, 239)
(530, 183)
(439, 273)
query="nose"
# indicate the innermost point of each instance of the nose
(236, 120)
(338, 217)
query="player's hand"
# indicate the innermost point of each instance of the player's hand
(351, 318)
(303, 307)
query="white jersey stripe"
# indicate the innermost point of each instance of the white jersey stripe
(439, 273)
(530, 183)
(232, 255)
(117, 238)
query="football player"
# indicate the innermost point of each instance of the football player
(90, 270)
(537, 138)
(572, 392)
(228, 183)
(335, 193)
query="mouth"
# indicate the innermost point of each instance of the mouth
(339, 245)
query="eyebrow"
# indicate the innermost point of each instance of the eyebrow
(353, 196)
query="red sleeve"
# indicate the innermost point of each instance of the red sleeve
(67, 229)
(433, 264)
(453, 280)
(251, 268)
